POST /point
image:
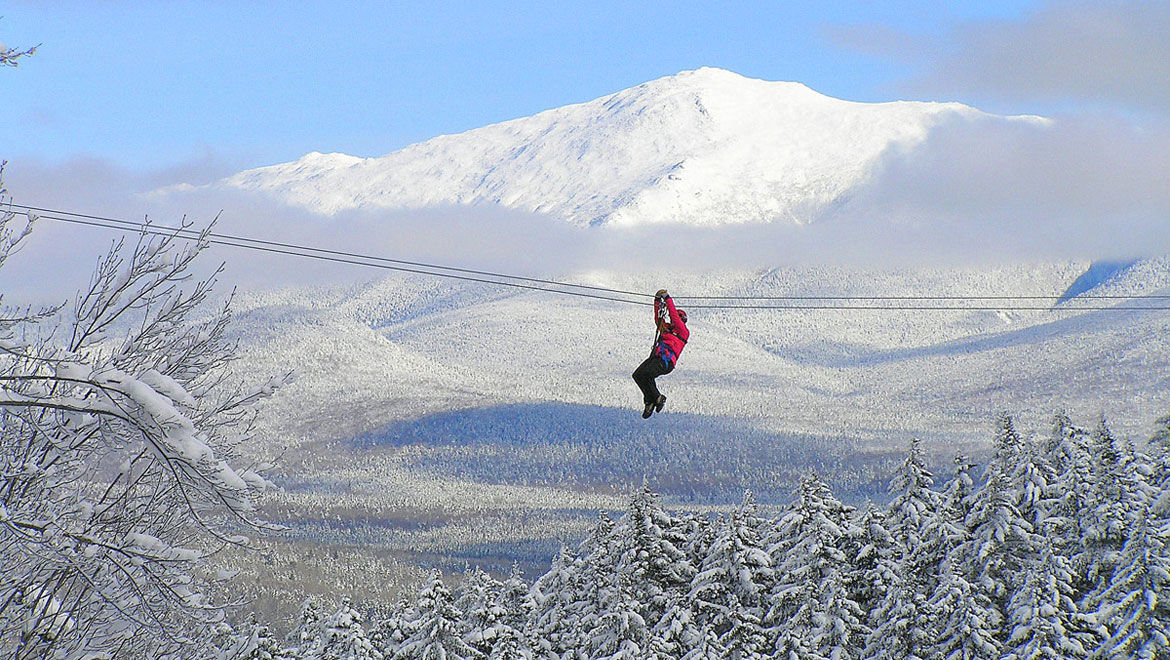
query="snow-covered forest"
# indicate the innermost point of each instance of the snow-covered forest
(1059, 547)
(123, 479)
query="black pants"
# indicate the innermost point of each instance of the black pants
(644, 376)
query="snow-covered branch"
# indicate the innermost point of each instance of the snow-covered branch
(119, 430)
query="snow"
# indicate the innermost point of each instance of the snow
(704, 147)
(73, 371)
(409, 346)
(168, 387)
(469, 374)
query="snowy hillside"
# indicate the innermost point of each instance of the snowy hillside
(412, 353)
(425, 412)
(705, 147)
(410, 346)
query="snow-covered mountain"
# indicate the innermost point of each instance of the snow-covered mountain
(705, 147)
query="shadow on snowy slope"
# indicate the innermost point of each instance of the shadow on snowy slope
(1086, 327)
(684, 456)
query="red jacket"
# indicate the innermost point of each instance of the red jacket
(673, 338)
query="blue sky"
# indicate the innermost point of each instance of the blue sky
(147, 85)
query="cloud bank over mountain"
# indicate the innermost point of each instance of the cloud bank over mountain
(705, 169)
(1087, 187)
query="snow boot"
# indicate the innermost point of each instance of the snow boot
(649, 410)
(659, 403)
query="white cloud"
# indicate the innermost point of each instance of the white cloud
(1095, 183)
(59, 257)
(1083, 187)
(1109, 54)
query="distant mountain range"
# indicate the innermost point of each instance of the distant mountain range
(706, 147)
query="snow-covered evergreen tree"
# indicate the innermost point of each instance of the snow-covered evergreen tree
(342, 638)
(736, 568)
(948, 530)
(254, 641)
(700, 534)
(1114, 497)
(963, 622)
(900, 625)
(621, 632)
(1066, 451)
(517, 605)
(511, 644)
(478, 597)
(707, 648)
(811, 610)
(599, 583)
(744, 638)
(433, 632)
(1160, 473)
(553, 624)
(651, 553)
(307, 631)
(871, 575)
(913, 507)
(1135, 608)
(516, 600)
(1001, 542)
(959, 490)
(792, 640)
(900, 619)
(1032, 481)
(677, 633)
(1161, 435)
(1043, 620)
(387, 634)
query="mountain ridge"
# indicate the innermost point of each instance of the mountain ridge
(706, 147)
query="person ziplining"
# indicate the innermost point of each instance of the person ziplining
(669, 342)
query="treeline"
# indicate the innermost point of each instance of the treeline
(1058, 549)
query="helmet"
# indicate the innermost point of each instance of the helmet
(682, 315)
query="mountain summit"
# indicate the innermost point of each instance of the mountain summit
(704, 147)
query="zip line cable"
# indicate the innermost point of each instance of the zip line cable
(193, 235)
(1001, 297)
(138, 225)
(480, 276)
